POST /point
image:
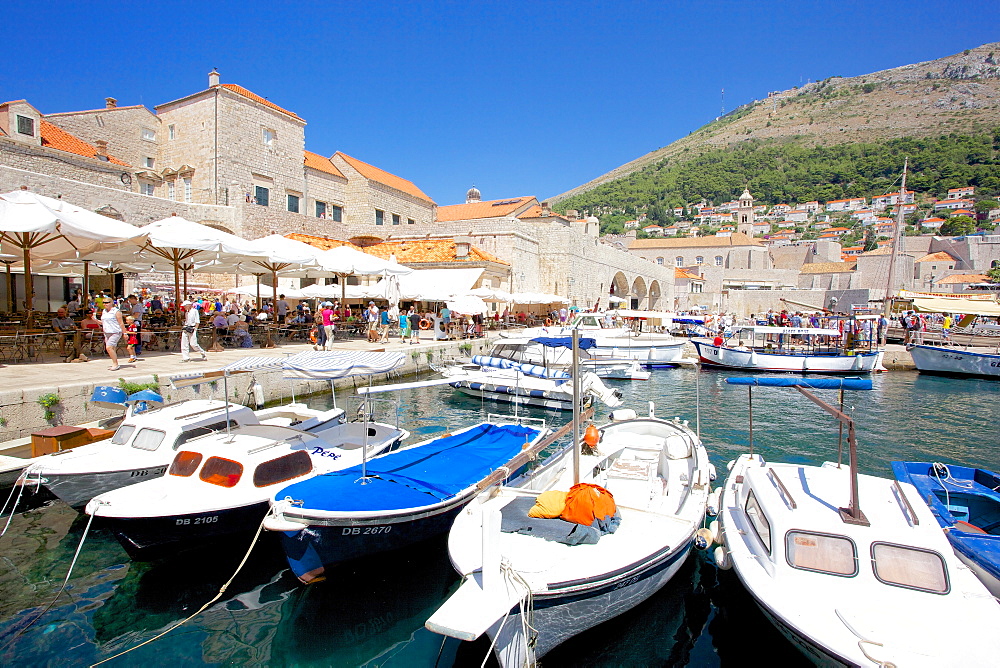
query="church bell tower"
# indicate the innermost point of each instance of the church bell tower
(744, 213)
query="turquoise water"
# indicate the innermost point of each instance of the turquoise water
(373, 612)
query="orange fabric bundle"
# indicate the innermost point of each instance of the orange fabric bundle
(549, 505)
(586, 502)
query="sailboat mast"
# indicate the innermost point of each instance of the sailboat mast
(894, 244)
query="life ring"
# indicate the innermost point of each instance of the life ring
(548, 322)
(425, 323)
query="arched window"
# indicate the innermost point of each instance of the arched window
(659, 260)
(699, 260)
(718, 260)
(679, 260)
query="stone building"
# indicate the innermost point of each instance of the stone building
(737, 251)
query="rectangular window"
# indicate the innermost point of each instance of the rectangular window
(820, 552)
(148, 135)
(268, 136)
(26, 126)
(718, 260)
(147, 162)
(410, 221)
(262, 196)
(171, 190)
(187, 190)
(337, 213)
(379, 217)
(172, 131)
(293, 203)
(320, 209)
(910, 567)
(146, 188)
(760, 525)
(395, 219)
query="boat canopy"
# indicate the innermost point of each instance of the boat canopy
(564, 342)
(815, 383)
(797, 331)
(953, 305)
(418, 476)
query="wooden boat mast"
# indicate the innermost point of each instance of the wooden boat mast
(894, 243)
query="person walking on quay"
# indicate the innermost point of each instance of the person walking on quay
(132, 330)
(371, 319)
(328, 325)
(114, 326)
(383, 328)
(414, 325)
(404, 325)
(189, 336)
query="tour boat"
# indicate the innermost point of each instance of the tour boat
(530, 586)
(218, 486)
(648, 348)
(795, 349)
(853, 569)
(553, 353)
(954, 360)
(393, 500)
(966, 504)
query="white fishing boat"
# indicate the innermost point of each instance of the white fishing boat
(532, 583)
(851, 583)
(219, 484)
(956, 360)
(648, 348)
(794, 349)
(145, 443)
(553, 353)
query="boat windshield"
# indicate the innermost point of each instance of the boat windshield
(758, 521)
(148, 439)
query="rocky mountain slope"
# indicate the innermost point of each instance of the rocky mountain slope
(956, 94)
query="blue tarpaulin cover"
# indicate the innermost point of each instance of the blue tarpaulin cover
(415, 477)
(586, 343)
(815, 383)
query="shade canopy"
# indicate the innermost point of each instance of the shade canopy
(537, 298)
(954, 305)
(467, 305)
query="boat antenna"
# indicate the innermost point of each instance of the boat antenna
(894, 243)
(225, 391)
(750, 410)
(840, 434)
(697, 402)
(576, 406)
(364, 444)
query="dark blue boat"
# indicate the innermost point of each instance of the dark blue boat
(393, 500)
(966, 503)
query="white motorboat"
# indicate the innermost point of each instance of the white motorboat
(853, 569)
(219, 485)
(955, 360)
(794, 349)
(543, 352)
(524, 384)
(648, 348)
(530, 588)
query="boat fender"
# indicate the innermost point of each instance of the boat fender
(721, 557)
(712, 473)
(731, 464)
(279, 523)
(591, 436)
(702, 539)
(258, 394)
(622, 414)
(716, 528)
(712, 508)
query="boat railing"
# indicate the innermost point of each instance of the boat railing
(785, 494)
(897, 489)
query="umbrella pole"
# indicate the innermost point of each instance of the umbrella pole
(28, 290)
(86, 285)
(187, 295)
(177, 292)
(10, 288)
(259, 305)
(343, 290)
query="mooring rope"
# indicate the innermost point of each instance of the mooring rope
(222, 590)
(19, 483)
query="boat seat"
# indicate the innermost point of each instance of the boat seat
(278, 421)
(969, 528)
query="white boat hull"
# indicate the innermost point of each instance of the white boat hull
(751, 360)
(949, 360)
(559, 617)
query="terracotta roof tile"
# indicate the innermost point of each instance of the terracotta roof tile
(321, 164)
(962, 278)
(321, 243)
(496, 208)
(736, 239)
(250, 95)
(57, 138)
(683, 273)
(828, 267)
(940, 256)
(373, 173)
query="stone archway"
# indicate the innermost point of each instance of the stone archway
(638, 292)
(619, 287)
(654, 295)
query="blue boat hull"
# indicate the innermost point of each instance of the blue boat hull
(966, 503)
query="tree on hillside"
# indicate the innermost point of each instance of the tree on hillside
(871, 241)
(957, 226)
(984, 206)
(993, 275)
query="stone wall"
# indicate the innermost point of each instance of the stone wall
(121, 127)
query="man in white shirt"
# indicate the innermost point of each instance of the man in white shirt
(189, 335)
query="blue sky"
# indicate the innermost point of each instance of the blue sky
(517, 98)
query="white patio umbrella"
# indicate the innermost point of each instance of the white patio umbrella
(34, 225)
(491, 294)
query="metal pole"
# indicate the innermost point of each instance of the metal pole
(840, 434)
(576, 406)
(29, 304)
(225, 388)
(895, 244)
(750, 400)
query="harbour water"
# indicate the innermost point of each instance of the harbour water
(372, 613)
